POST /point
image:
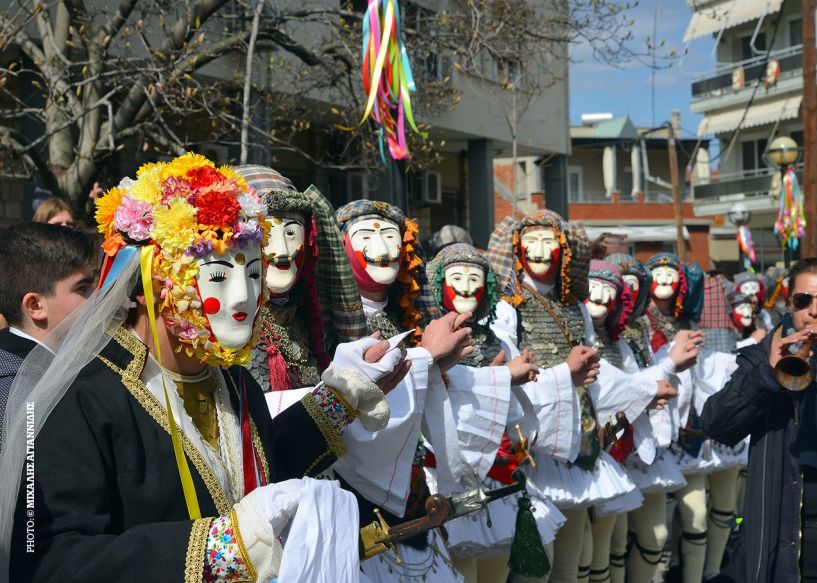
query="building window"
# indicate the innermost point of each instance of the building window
(753, 155)
(745, 51)
(795, 32)
(574, 184)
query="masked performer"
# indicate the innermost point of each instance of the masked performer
(677, 300)
(314, 300)
(753, 285)
(483, 419)
(156, 455)
(719, 322)
(645, 458)
(611, 304)
(777, 284)
(541, 263)
(382, 247)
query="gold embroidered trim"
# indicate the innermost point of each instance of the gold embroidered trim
(256, 441)
(196, 547)
(318, 460)
(132, 382)
(333, 440)
(242, 549)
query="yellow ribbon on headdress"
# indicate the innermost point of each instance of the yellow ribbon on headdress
(190, 498)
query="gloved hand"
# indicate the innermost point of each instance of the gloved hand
(351, 355)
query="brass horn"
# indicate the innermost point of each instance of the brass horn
(793, 371)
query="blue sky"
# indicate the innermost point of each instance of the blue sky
(597, 87)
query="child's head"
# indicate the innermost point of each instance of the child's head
(47, 273)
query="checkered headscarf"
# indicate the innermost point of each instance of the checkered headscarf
(504, 247)
(336, 288)
(412, 270)
(716, 319)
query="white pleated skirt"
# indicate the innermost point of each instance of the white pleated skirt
(470, 536)
(569, 487)
(432, 565)
(729, 457)
(630, 501)
(705, 463)
(662, 476)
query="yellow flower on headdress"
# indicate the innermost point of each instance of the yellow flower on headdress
(181, 165)
(174, 226)
(148, 185)
(106, 208)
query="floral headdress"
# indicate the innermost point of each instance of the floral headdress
(774, 283)
(458, 253)
(620, 315)
(186, 208)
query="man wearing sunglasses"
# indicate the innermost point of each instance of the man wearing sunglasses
(779, 538)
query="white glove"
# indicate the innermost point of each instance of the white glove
(350, 355)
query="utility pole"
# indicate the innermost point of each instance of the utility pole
(680, 244)
(809, 244)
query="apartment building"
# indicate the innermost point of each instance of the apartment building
(751, 96)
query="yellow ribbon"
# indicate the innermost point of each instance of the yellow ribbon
(146, 263)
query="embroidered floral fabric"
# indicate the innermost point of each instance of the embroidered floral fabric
(336, 412)
(225, 556)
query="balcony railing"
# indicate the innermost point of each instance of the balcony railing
(748, 183)
(600, 197)
(712, 84)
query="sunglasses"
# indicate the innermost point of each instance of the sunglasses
(802, 300)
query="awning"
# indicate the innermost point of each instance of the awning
(636, 233)
(715, 16)
(757, 115)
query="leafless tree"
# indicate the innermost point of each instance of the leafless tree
(83, 79)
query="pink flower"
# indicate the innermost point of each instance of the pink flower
(134, 218)
(186, 330)
(173, 187)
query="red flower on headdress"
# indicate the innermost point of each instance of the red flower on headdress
(217, 208)
(204, 176)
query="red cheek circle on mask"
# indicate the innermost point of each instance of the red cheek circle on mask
(555, 256)
(736, 320)
(448, 297)
(211, 306)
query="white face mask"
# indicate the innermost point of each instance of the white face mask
(745, 314)
(464, 287)
(377, 243)
(230, 289)
(538, 246)
(750, 288)
(665, 282)
(602, 295)
(284, 251)
(632, 281)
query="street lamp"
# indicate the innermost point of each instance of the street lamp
(739, 216)
(783, 152)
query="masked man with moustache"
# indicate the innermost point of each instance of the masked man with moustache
(479, 416)
(778, 538)
(156, 456)
(753, 285)
(314, 300)
(383, 251)
(541, 264)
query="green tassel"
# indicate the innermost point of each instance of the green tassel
(528, 560)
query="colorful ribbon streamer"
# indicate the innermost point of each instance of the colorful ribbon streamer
(387, 78)
(747, 247)
(790, 225)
